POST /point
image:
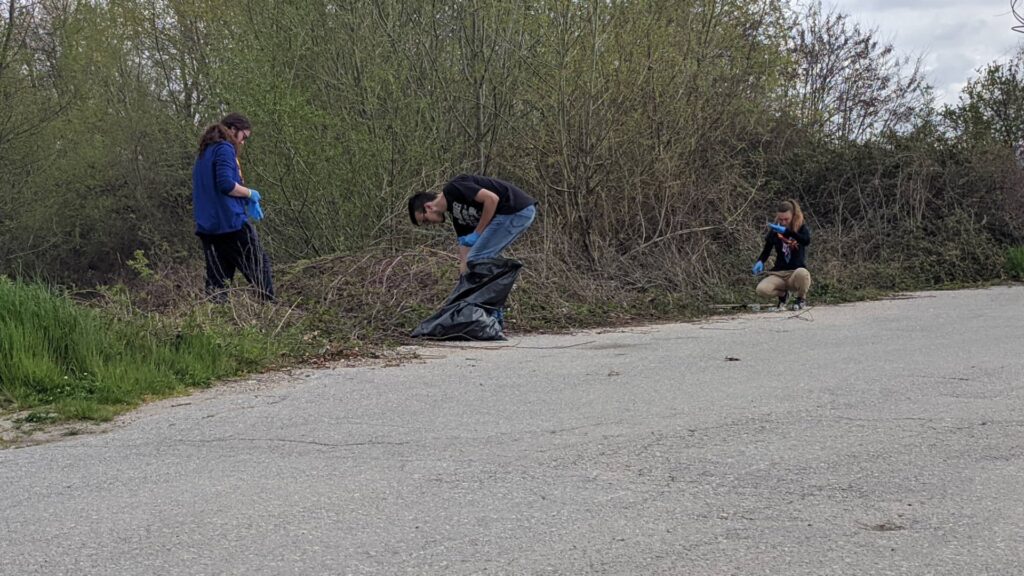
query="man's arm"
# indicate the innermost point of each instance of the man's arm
(490, 201)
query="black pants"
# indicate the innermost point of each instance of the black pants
(240, 250)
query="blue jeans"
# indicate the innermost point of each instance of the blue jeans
(503, 230)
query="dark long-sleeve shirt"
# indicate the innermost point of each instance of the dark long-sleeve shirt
(790, 248)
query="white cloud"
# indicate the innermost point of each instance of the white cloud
(955, 37)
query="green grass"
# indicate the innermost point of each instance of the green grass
(64, 361)
(61, 360)
(1015, 263)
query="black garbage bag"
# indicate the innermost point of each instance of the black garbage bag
(470, 311)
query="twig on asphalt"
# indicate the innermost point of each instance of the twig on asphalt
(506, 346)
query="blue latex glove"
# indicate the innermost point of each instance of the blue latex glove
(255, 196)
(778, 228)
(469, 239)
(758, 268)
(254, 211)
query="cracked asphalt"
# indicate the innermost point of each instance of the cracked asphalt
(876, 438)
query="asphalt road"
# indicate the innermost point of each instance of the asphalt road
(877, 438)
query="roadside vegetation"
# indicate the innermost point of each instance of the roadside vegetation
(656, 135)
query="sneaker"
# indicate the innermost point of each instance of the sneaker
(782, 301)
(800, 304)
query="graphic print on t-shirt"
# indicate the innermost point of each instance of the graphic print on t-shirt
(789, 246)
(465, 215)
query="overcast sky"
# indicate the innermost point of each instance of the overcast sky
(956, 37)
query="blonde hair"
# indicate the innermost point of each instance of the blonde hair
(793, 207)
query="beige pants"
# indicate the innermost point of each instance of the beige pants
(776, 284)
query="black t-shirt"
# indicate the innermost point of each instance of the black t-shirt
(461, 193)
(790, 248)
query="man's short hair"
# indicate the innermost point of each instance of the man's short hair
(418, 203)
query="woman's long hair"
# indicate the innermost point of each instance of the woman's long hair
(793, 207)
(220, 132)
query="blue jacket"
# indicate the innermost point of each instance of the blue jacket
(214, 175)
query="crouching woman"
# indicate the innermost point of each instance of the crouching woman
(788, 237)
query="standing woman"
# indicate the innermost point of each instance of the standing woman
(220, 204)
(789, 237)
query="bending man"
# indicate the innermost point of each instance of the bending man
(488, 214)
